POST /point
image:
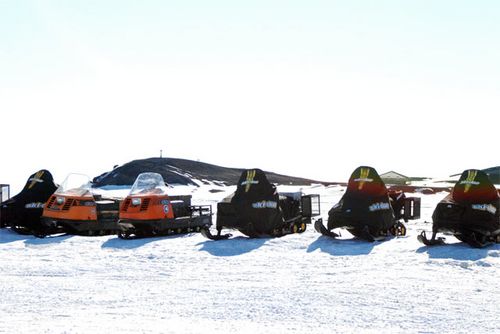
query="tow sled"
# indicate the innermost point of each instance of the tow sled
(22, 212)
(74, 209)
(368, 210)
(148, 211)
(257, 210)
(470, 212)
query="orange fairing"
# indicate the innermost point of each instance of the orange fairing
(73, 200)
(146, 207)
(148, 199)
(70, 208)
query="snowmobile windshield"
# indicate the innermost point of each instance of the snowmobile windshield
(149, 183)
(75, 185)
(365, 180)
(474, 186)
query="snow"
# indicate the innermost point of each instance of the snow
(302, 283)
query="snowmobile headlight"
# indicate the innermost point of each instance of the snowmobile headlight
(60, 200)
(136, 201)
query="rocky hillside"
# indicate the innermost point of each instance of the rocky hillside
(185, 172)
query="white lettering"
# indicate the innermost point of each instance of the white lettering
(485, 207)
(35, 205)
(265, 204)
(379, 206)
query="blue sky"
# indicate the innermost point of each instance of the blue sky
(310, 88)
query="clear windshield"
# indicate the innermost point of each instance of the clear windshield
(75, 185)
(149, 183)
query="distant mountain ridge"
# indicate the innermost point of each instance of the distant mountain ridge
(185, 172)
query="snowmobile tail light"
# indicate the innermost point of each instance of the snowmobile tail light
(60, 200)
(136, 201)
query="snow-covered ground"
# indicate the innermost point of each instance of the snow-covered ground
(303, 283)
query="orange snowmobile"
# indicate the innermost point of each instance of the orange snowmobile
(148, 211)
(74, 209)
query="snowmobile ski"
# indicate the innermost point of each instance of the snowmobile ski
(422, 237)
(205, 231)
(319, 227)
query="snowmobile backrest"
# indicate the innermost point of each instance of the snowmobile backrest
(365, 181)
(186, 199)
(310, 205)
(253, 185)
(4, 192)
(474, 186)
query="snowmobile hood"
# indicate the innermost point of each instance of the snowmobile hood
(474, 186)
(40, 182)
(254, 184)
(366, 181)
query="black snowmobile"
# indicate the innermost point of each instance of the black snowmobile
(23, 211)
(471, 212)
(368, 210)
(256, 209)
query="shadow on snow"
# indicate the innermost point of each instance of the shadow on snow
(232, 247)
(458, 251)
(118, 243)
(342, 247)
(8, 236)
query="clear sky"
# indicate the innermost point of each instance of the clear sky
(306, 88)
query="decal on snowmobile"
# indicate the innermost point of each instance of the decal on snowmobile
(37, 178)
(365, 172)
(379, 206)
(485, 207)
(469, 181)
(250, 180)
(36, 205)
(265, 204)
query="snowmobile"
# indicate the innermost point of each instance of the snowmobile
(256, 209)
(368, 210)
(23, 211)
(148, 211)
(471, 212)
(74, 209)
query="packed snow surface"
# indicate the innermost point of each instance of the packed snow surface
(302, 283)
